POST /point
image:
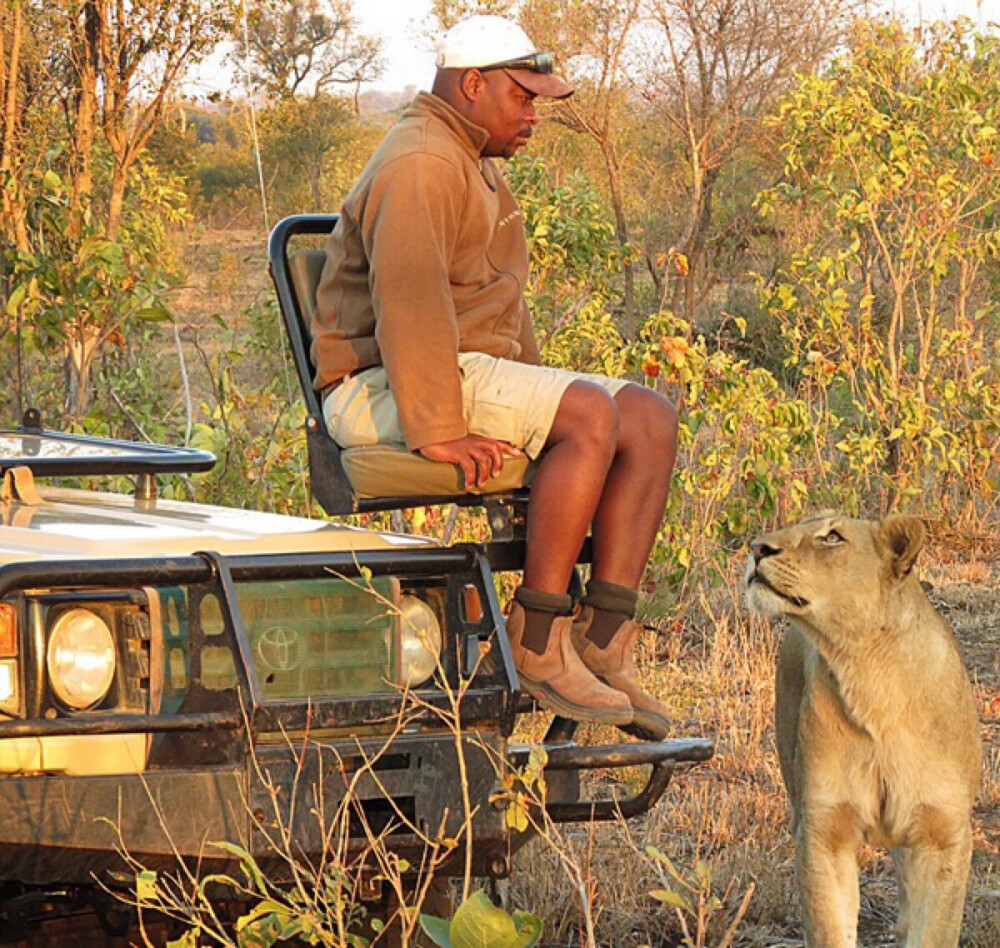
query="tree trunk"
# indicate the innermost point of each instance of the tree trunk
(116, 199)
(86, 57)
(621, 232)
(695, 248)
(82, 344)
(13, 203)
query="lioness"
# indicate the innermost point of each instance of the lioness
(877, 731)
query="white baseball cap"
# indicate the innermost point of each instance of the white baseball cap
(486, 42)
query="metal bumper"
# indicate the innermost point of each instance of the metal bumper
(570, 757)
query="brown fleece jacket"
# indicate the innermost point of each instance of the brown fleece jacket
(428, 260)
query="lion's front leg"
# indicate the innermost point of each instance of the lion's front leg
(903, 918)
(827, 872)
(933, 878)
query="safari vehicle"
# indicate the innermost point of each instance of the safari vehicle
(163, 663)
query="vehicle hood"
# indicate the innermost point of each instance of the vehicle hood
(78, 524)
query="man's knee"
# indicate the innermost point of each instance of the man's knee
(588, 415)
(646, 417)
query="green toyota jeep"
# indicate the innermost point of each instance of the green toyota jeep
(174, 675)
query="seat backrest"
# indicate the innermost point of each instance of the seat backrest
(295, 280)
(305, 267)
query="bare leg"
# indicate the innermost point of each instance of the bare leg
(568, 485)
(635, 493)
(607, 461)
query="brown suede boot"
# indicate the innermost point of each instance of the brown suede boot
(616, 666)
(557, 678)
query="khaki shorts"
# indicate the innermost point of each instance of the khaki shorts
(501, 399)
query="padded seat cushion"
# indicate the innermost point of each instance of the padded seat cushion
(382, 471)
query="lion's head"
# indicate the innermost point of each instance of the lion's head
(830, 568)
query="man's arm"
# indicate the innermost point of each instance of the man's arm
(530, 352)
(409, 226)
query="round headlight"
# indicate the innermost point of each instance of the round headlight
(80, 659)
(420, 633)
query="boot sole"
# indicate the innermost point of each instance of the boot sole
(646, 725)
(553, 701)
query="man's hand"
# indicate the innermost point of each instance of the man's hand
(479, 458)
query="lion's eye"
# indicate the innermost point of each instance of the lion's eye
(832, 538)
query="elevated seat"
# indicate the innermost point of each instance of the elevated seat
(384, 471)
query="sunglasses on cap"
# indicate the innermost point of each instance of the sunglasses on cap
(536, 62)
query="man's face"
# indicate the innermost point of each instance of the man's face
(507, 111)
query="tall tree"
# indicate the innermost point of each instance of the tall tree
(890, 203)
(593, 39)
(107, 68)
(143, 50)
(299, 45)
(12, 35)
(714, 68)
(446, 13)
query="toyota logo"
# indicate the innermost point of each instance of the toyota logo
(280, 648)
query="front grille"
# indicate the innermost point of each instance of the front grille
(322, 637)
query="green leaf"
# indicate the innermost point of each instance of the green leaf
(661, 858)
(145, 886)
(528, 926)
(437, 930)
(673, 899)
(516, 814)
(16, 298)
(155, 314)
(478, 923)
(247, 863)
(267, 907)
(188, 940)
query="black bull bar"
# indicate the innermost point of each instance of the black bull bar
(563, 755)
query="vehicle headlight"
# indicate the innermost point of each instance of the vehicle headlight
(420, 633)
(80, 659)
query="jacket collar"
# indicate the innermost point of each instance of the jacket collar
(469, 134)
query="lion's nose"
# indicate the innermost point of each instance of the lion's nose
(760, 549)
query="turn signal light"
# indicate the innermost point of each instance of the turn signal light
(472, 605)
(8, 631)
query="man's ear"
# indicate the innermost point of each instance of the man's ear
(900, 538)
(472, 84)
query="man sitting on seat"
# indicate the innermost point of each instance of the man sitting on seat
(422, 338)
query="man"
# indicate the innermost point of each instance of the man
(422, 338)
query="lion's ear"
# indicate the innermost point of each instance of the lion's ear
(902, 538)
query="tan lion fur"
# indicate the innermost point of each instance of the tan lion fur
(877, 731)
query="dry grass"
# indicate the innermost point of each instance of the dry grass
(716, 672)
